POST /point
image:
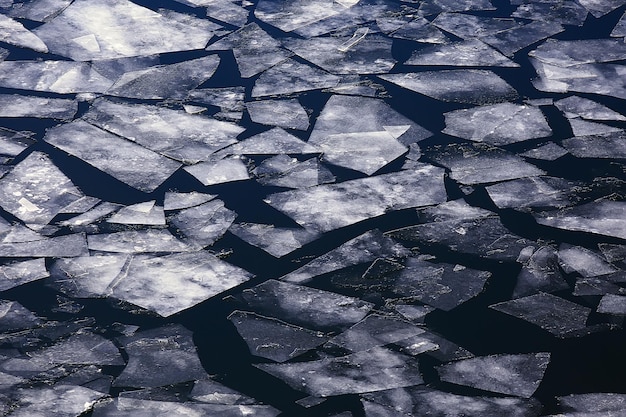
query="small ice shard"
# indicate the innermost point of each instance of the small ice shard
(606, 146)
(570, 53)
(113, 34)
(594, 402)
(82, 348)
(254, 49)
(13, 143)
(277, 241)
(518, 375)
(419, 30)
(176, 200)
(582, 260)
(270, 142)
(138, 407)
(219, 171)
(467, 26)
(162, 356)
(563, 12)
(304, 306)
(498, 124)
(356, 200)
(81, 205)
(548, 152)
(534, 192)
(461, 86)
(86, 276)
(212, 392)
(55, 247)
(14, 33)
(283, 113)
(481, 163)
(172, 133)
(91, 216)
(272, 339)
(376, 369)
(203, 224)
(165, 81)
(124, 160)
(137, 241)
(444, 286)
(374, 330)
(35, 190)
(56, 401)
(574, 106)
(540, 273)
(64, 77)
(603, 217)
(612, 304)
(284, 171)
(14, 316)
(471, 53)
(553, 314)
(290, 15)
(585, 128)
(620, 27)
(19, 273)
(14, 106)
(512, 40)
(290, 77)
(146, 213)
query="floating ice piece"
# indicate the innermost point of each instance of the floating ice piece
(290, 15)
(540, 273)
(54, 247)
(564, 12)
(14, 33)
(126, 161)
(376, 369)
(284, 113)
(227, 98)
(19, 273)
(176, 201)
(594, 402)
(595, 286)
(461, 86)
(162, 356)
(91, 216)
(283, 171)
(612, 252)
(607, 146)
(270, 142)
(173, 133)
(339, 117)
(277, 241)
(83, 348)
(203, 224)
(586, 51)
(219, 171)
(469, 26)
(254, 50)
(111, 33)
(353, 201)
(574, 106)
(603, 217)
(14, 316)
(146, 213)
(613, 304)
(13, 143)
(290, 77)
(444, 286)
(81, 205)
(422, 401)
(512, 40)
(57, 401)
(86, 276)
(600, 8)
(36, 10)
(227, 12)
(64, 77)
(518, 375)
(585, 128)
(414, 313)
(498, 124)
(212, 392)
(534, 192)
(548, 152)
(117, 67)
(472, 53)
(165, 81)
(582, 260)
(304, 306)
(553, 314)
(137, 241)
(430, 7)
(273, 339)
(35, 190)
(620, 27)
(419, 30)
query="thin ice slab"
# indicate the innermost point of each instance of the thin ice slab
(203, 224)
(512, 40)
(19, 273)
(605, 146)
(61, 246)
(612, 304)
(289, 77)
(288, 114)
(271, 142)
(146, 213)
(574, 106)
(284, 171)
(471, 53)
(540, 273)
(219, 171)
(290, 15)
(563, 12)
(138, 407)
(277, 241)
(593, 402)
(138, 241)
(467, 26)
(81, 348)
(175, 200)
(14, 33)
(583, 261)
(569, 53)
(58, 401)
(534, 192)
(14, 106)
(86, 276)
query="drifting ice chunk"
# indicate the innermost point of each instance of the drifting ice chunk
(58, 401)
(353, 201)
(173, 133)
(212, 392)
(308, 307)
(277, 241)
(273, 339)
(583, 261)
(114, 35)
(143, 213)
(444, 286)
(574, 106)
(620, 27)
(419, 30)
(548, 152)
(128, 162)
(13, 105)
(64, 77)
(594, 402)
(290, 77)
(137, 241)
(553, 314)
(584, 128)
(14, 33)
(469, 26)
(273, 141)
(518, 375)
(36, 10)
(472, 53)
(14, 316)
(19, 273)
(284, 113)
(612, 304)
(283, 171)
(162, 356)
(461, 86)
(586, 51)
(227, 98)
(202, 225)
(534, 192)
(83, 348)
(228, 12)
(608, 146)
(290, 15)
(176, 201)
(55, 247)
(540, 273)
(35, 191)
(219, 171)
(376, 369)
(595, 286)
(563, 12)
(602, 217)
(429, 7)
(81, 205)
(498, 124)
(512, 40)
(86, 276)
(13, 143)
(91, 216)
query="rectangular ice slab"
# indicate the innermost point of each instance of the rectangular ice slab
(128, 162)
(328, 207)
(14, 105)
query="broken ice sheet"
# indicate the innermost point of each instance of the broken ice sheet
(290, 15)
(219, 171)
(512, 40)
(277, 241)
(498, 124)
(284, 171)
(561, 11)
(585, 128)
(461, 86)
(35, 190)
(547, 152)
(146, 213)
(14, 106)
(593, 402)
(111, 32)
(82, 348)
(14, 316)
(540, 273)
(90, 216)
(202, 225)
(469, 26)
(582, 260)
(13, 143)
(441, 285)
(371, 370)
(283, 113)
(126, 161)
(60, 246)
(212, 392)
(173, 133)
(19, 273)
(570, 53)
(273, 339)
(554, 314)
(86, 276)
(175, 200)
(227, 98)
(472, 53)
(534, 192)
(290, 77)
(308, 307)
(57, 401)
(595, 286)
(270, 142)
(606, 146)
(574, 106)
(612, 304)
(14, 33)
(418, 30)
(138, 241)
